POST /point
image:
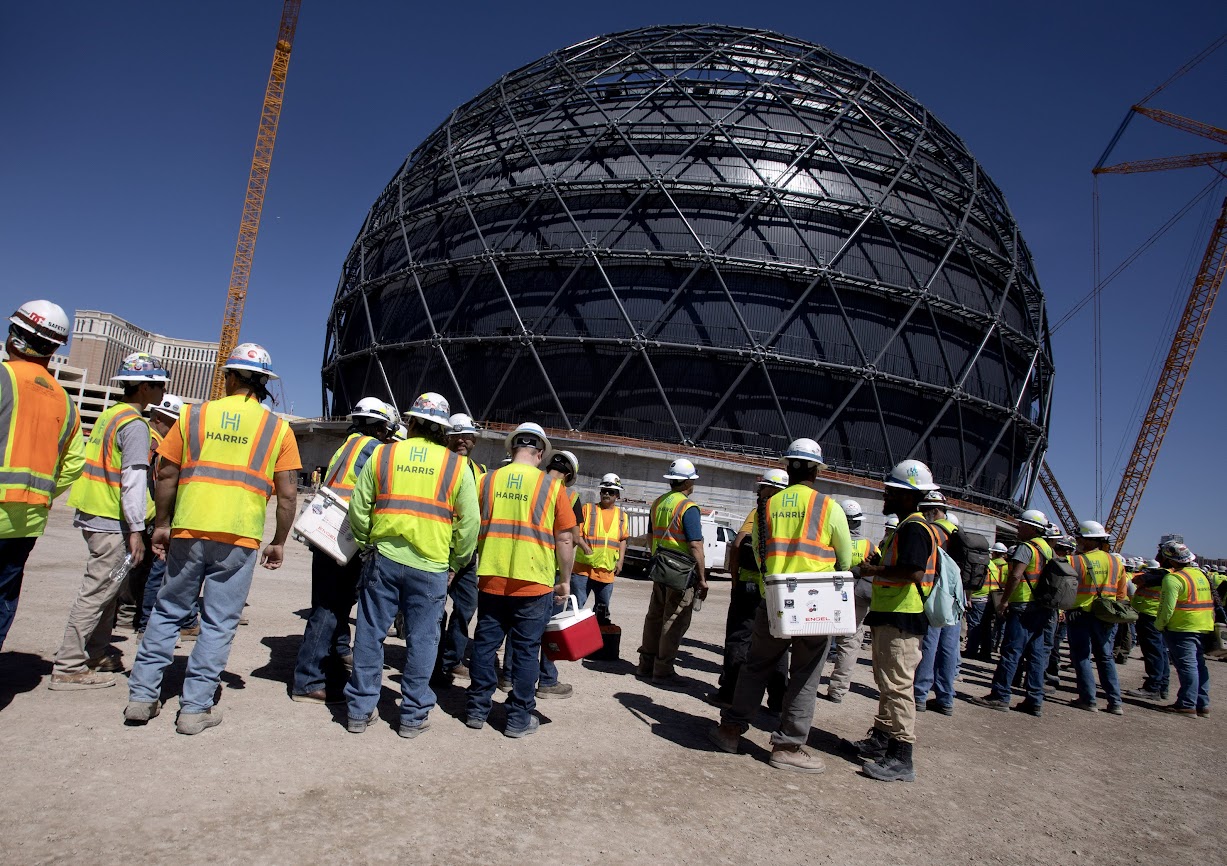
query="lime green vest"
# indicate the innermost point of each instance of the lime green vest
(518, 504)
(605, 543)
(99, 488)
(667, 512)
(1194, 605)
(893, 596)
(416, 485)
(1041, 552)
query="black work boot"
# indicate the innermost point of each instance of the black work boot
(896, 766)
(871, 748)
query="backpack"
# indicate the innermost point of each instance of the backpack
(945, 603)
(970, 552)
(1056, 588)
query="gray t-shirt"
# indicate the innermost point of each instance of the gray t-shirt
(133, 441)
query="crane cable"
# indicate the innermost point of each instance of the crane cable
(1188, 67)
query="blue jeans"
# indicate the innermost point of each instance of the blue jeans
(1189, 659)
(455, 645)
(13, 555)
(939, 665)
(547, 671)
(601, 592)
(153, 583)
(334, 589)
(224, 572)
(1089, 637)
(521, 620)
(385, 588)
(979, 629)
(1028, 629)
(1154, 654)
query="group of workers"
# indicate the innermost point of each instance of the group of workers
(181, 498)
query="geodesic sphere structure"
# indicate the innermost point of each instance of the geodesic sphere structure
(713, 236)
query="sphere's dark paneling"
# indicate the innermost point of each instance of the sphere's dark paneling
(708, 235)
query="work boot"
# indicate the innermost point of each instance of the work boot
(504, 684)
(832, 696)
(194, 723)
(938, 707)
(411, 731)
(871, 748)
(644, 670)
(558, 690)
(189, 633)
(1180, 711)
(1080, 704)
(725, 737)
(1115, 710)
(1203, 713)
(348, 661)
(991, 703)
(1145, 694)
(895, 766)
(110, 663)
(358, 726)
(530, 728)
(1031, 708)
(795, 758)
(140, 712)
(460, 672)
(86, 679)
(921, 705)
(319, 696)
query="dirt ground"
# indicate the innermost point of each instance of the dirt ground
(620, 773)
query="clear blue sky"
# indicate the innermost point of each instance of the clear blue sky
(128, 132)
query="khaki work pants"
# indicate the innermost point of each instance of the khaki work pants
(88, 632)
(668, 617)
(896, 655)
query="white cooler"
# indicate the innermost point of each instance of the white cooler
(324, 525)
(812, 603)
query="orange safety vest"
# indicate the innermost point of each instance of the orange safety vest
(37, 422)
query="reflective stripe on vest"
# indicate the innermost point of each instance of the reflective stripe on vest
(901, 596)
(1097, 573)
(518, 505)
(1194, 610)
(1041, 552)
(416, 485)
(667, 513)
(348, 463)
(861, 548)
(796, 520)
(605, 542)
(37, 423)
(98, 490)
(226, 477)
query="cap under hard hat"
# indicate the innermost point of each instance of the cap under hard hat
(250, 358)
(803, 451)
(42, 320)
(681, 469)
(567, 463)
(1092, 529)
(528, 435)
(852, 509)
(911, 475)
(462, 424)
(171, 406)
(141, 367)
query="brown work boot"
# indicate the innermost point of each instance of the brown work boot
(319, 696)
(796, 758)
(726, 738)
(189, 633)
(86, 679)
(111, 663)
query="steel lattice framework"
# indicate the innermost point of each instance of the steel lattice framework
(714, 236)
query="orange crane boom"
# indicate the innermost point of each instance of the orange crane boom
(1064, 511)
(257, 181)
(1163, 163)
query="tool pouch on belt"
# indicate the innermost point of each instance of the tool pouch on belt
(1110, 610)
(675, 570)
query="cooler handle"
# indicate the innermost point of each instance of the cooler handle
(562, 614)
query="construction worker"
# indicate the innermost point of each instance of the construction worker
(892, 523)
(1027, 625)
(40, 442)
(939, 651)
(745, 597)
(980, 615)
(606, 530)
(677, 528)
(219, 466)
(525, 548)
(906, 573)
(1185, 617)
(161, 418)
(1148, 589)
(112, 503)
(325, 656)
(796, 531)
(846, 647)
(454, 644)
(1099, 573)
(416, 502)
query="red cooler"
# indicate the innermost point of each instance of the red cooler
(571, 634)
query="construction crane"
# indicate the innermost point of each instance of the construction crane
(257, 182)
(1060, 504)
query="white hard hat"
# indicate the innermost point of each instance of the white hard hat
(1092, 529)
(1053, 531)
(1150, 563)
(852, 509)
(141, 367)
(998, 547)
(934, 498)
(1034, 517)
(250, 358)
(773, 478)
(681, 469)
(524, 434)
(911, 475)
(462, 423)
(568, 463)
(803, 451)
(401, 433)
(42, 319)
(953, 518)
(1064, 542)
(374, 409)
(892, 520)
(171, 406)
(610, 481)
(432, 408)
(1119, 558)
(1177, 552)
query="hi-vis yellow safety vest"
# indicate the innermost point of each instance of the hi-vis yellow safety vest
(1098, 573)
(902, 596)
(98, 490)
(604, 540)
(416, 485)
(1194, 604)
(1041, 552)
(862, 549)
(795, 520)
(37, 423)
(230, 449)
(518, 504)
(1146, 598)
(667, 531)
(345, 465)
